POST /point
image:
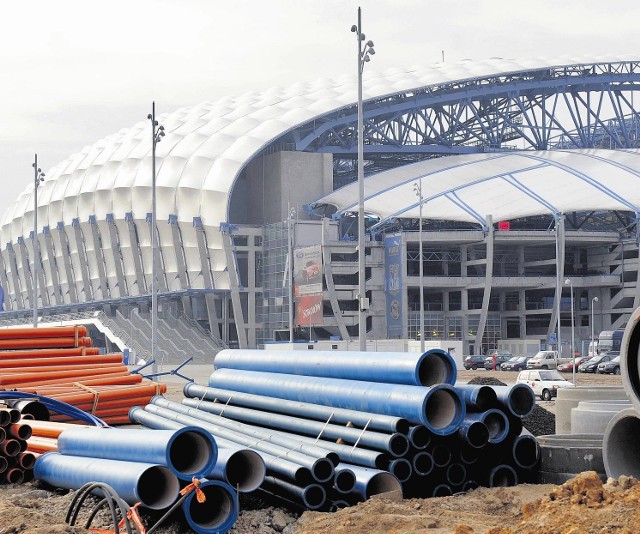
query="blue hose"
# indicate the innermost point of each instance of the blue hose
(57, 406)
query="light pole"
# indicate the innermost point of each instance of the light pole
(365, 50)
(292, 214)
(569, 283)
(38, 178)
(417, 188)
(593, 302)
(157, 133)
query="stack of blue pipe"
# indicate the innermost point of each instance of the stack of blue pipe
(145, 466)
(334, 428)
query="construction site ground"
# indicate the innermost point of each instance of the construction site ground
(583, 505)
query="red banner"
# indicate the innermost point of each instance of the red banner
(309, 310)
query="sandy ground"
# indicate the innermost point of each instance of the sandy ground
(582, 505)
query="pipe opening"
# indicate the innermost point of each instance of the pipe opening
(497, 424)
(5, 418)
(456, 473)
(630, 353)
(27, 460)
(521, 400)
(401, 469)
(502, 476)
(158, 487)
(477, 434)
(337, 505)
(470, 485)
(14, 476)
(11, 447)
(216, 510)
(442, 408)
(322, 470)
(14, 415)
(402, 426)
(442, 490)
(468, 455)
(620, 449)
(4, 464)
(435, 368)
(486, 398)
(303, 476)
(515, 426)
(441, 455)
(419, 436)
(245, 470)
(34, 408)
(344, 481)
(190, 453)
(313, 496)
(525, 451)
(423, 463)
(21, 432)
(382, 483)
(398, 445)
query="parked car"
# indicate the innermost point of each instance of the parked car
(545, 383)
(591, 365)
(546, 359)
(502, 355)
(610, 367)
(473, 362)
(517, 363)
(568, 366)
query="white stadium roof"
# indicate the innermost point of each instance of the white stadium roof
(505, 185)
(207, 146)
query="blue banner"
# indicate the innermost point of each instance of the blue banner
(393, 285)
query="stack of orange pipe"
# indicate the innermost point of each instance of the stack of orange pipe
(16, 462)
(44, 435)
(72, 372)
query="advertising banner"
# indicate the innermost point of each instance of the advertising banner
(1, 299)
(307, 285)
(393, 285)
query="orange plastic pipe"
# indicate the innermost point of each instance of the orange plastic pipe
(113, 392)
(97, 361)
(45, 369)
(39, 444)
(46, 342)
(49, 429)
(13, 378)
(43, 331)
(49, 353)
(114, 377)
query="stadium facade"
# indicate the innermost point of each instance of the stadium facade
(528, 173)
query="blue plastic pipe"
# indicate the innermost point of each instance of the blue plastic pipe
(155, 486)
(478, 398)
(371, 482)
(275, 465)
(473, 432)
(318, 412)
(496, 422)
(526, 451)
(217, 513)
(396, 444)
(518, 400)
(439, 408)
(435, 366)
(189, 452)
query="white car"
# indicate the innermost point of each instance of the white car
(545, 383)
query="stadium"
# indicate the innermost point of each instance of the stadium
(498, 180)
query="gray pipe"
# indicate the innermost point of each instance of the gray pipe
(401, 469)
(442, 490)
(620, 450)
(434, 366)
(440, 408)
(395, 444)
(206, 413)
(419, 436)
(422, 463)
(526, 451)
(217, 513)
(496, 423)
(629, 364)
(319, 412)
(478, 398)
(350, 454)
(455, 474)
(473, 432)
(441, 454)
(155, 486)
(344, 480)
(243, 469)
(311, 496)
(274, 465)
(502, 475)
(321, 468)
(371, 482)
(518, 400)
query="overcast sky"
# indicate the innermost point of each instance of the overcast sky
(74, 71)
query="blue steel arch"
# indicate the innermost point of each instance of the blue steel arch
(575, 106)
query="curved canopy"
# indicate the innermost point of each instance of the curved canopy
(505, 185)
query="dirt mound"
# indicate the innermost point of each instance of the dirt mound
(486, 381)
